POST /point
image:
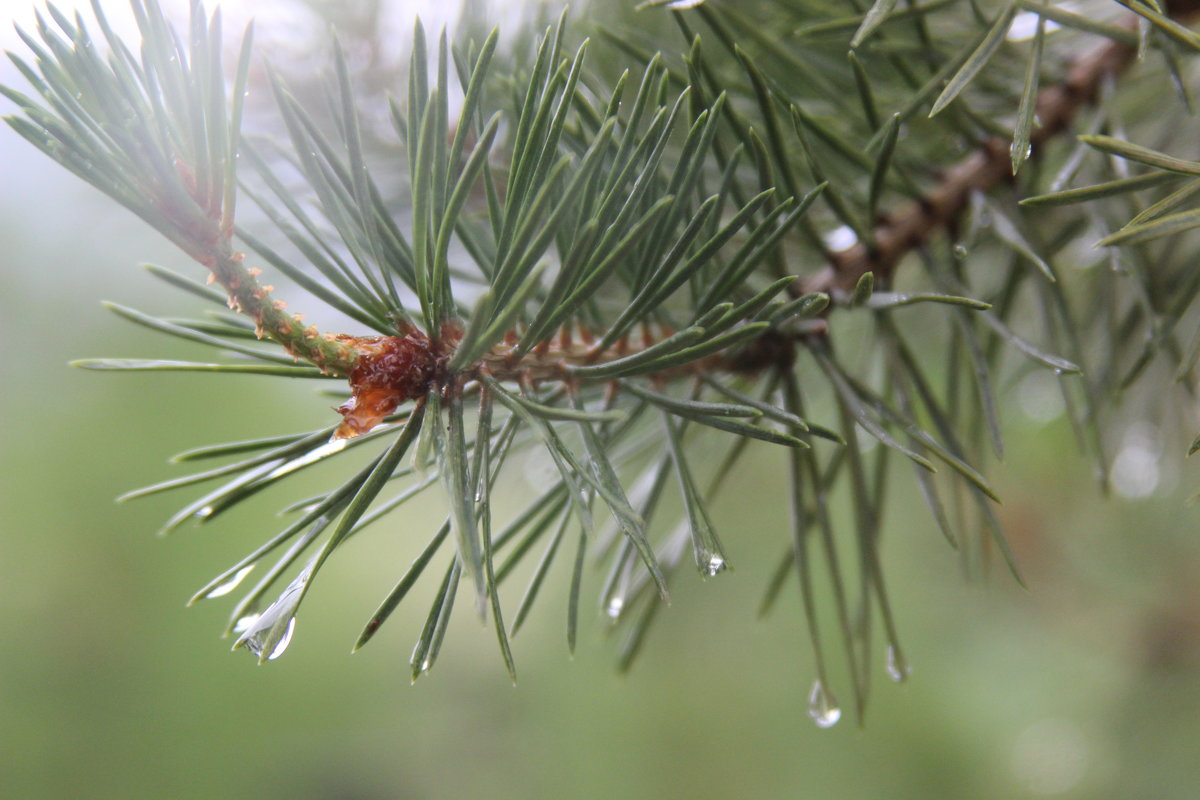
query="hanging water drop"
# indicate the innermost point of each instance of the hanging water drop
(615, 606)
(243, 624)
(961, 251)
(716, 563)
(268, 634)
(264, 640)
(205, 512)
(228, 586)
(822, 706)
(897, 665)
(284, 642)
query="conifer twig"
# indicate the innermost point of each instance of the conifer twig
(333, 355)
(606, 270)
(908, 228)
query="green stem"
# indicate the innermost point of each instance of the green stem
(333, 354)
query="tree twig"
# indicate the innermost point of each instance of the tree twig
(911, 226)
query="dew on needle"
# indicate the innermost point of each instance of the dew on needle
(822, 706)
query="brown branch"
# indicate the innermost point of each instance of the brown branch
(391, 370)
(911, 226)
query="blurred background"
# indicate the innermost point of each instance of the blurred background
(1084, 685)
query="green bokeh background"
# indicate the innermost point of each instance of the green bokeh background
(1085, 685)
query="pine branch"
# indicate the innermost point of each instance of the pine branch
(911, 226)
(604, 265)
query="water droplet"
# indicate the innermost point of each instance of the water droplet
(841, 238)
(425, 665)
(716, 563)
(615, 606)
(822, 706)
(207, 511)
(269, 634)
(228, 586)
(245, 622)
(897, 665)
(1023, 155)
(961, 251)
(285, 641)
(263, 636)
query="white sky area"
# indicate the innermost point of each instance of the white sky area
(435, 13)
(285, 31)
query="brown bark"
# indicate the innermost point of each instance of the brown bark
(912, 225)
